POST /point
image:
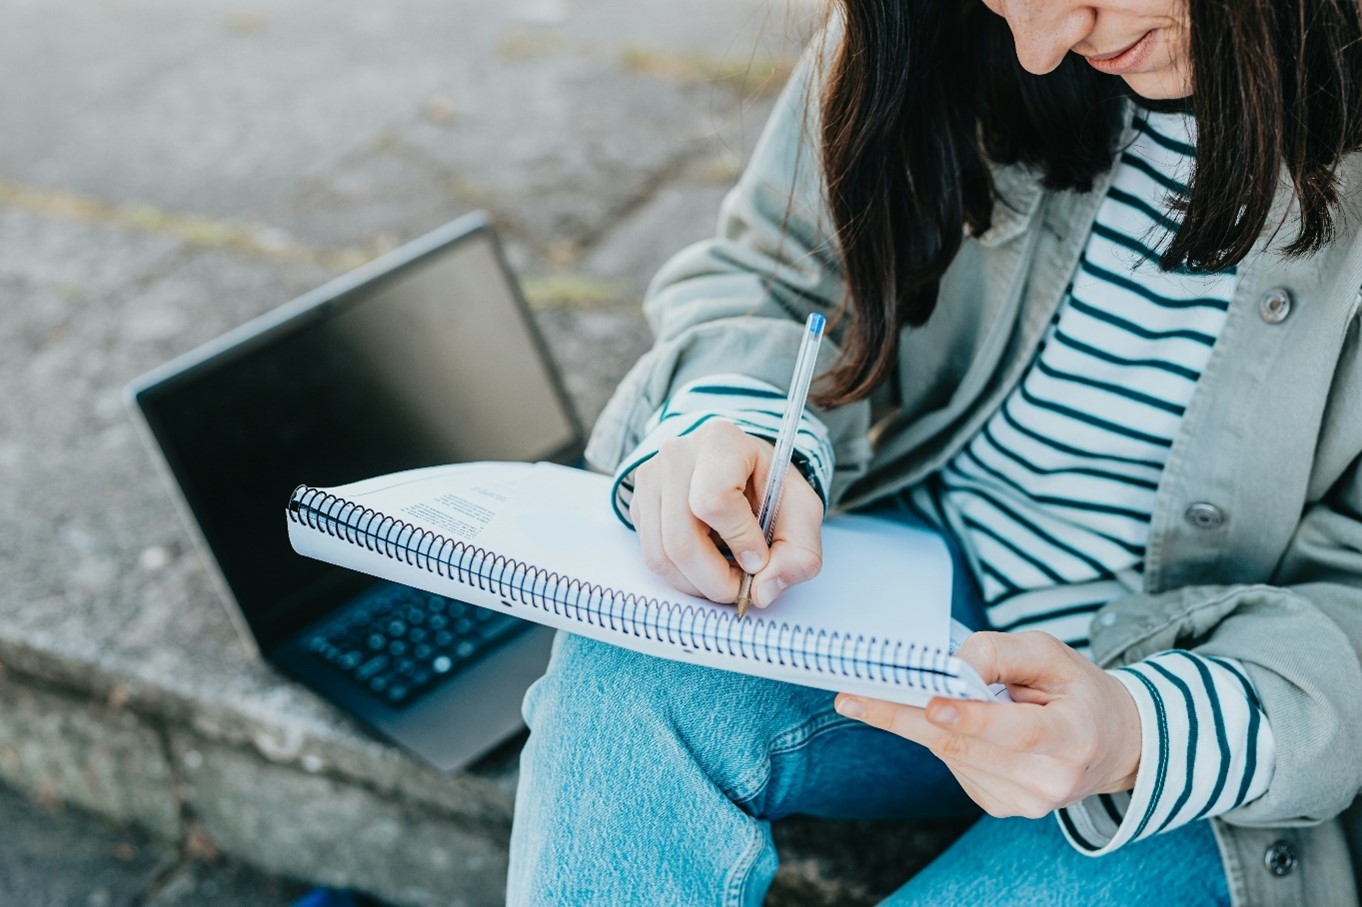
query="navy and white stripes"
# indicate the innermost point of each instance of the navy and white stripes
(1206, 748)
(1054, 495)
(752, 405)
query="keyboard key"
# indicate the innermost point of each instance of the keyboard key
(401, 642)
(372, 667)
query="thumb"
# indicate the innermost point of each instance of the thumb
(1032, 659)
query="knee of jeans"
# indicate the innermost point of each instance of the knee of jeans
(590, 685)
(613, 699)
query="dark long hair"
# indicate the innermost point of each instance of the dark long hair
(922, 95)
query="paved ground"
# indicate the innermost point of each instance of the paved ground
(169, 170)
(51, 857)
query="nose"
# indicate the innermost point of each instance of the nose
(1045, 30)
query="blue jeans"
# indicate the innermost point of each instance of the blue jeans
(648, 781)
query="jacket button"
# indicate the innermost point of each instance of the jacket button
(1275, 306)
(1205, 516)
(1280, 859)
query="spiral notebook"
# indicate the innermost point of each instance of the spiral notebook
(540, 541)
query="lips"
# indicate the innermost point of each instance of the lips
(1125, 61)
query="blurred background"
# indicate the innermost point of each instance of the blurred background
(170, 169)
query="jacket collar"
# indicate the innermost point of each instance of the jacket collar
(1018, 194)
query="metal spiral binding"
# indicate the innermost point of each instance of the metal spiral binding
(812, 649)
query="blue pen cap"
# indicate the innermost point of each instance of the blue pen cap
(815, 323)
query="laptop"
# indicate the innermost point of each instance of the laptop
(425, 356)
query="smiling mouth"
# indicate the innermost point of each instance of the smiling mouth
(1124, 61)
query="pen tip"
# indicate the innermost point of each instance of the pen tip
(742, 607)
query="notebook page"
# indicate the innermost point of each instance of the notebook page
(457, 501)
(879, 579)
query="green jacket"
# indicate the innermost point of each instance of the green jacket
(1255, 547)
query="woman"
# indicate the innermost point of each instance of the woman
(1098, 304)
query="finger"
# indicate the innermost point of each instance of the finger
(718, 497)
(911, 723)
(648, 524)
(905, 720)
(1012, 783)
(686, 543)
(908, 722)
(1011, 726)
(797, 545)
(1030, 659)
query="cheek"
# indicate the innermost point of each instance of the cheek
(1179, 54)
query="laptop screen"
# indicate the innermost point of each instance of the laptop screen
(435, 363)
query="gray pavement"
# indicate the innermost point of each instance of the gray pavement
(55, 857)
(169, 170)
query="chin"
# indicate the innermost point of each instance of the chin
(1162, 85)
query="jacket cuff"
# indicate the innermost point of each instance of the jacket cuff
(1206, 748)
(754, 406)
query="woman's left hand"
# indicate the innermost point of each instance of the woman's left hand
(1071, 730)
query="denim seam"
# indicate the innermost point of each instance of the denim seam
(742, 870)
(755, 780)
(790, 740)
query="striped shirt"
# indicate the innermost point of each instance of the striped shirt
(1055, 494)
(1052, 499)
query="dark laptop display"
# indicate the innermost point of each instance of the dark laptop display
(427, 356)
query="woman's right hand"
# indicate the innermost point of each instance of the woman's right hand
(708, 484)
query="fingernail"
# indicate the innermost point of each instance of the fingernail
(851, 708)
(751, 561)
(946, 714)
(768, 590)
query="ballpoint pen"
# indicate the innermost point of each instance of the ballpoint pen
(785, 438)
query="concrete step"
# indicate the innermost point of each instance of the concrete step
(54, 855)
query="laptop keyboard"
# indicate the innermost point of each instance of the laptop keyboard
(401, 642)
